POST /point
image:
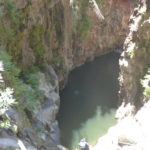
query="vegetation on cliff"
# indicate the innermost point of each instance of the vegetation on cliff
(23, 81)
(34, 34)
(26, 92)
(12, 32)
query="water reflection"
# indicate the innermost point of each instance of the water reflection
(94, 84)
(93, 128)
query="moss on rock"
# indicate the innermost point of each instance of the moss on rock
(36, 37)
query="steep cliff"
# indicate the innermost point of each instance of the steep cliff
(41, 42)
(64, 34)
(132, 129)
(134, 62)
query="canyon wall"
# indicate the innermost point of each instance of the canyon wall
(46, 39)
(134, 61)
(67, 42)
(132, 128)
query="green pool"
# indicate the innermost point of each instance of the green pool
(89, 100)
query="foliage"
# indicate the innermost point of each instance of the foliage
(15, 128)
(30, 76)
(84, 26)
(6, 99)
(131, 49)
(27, 94)
(15, 46)
(146, 84)
(10, 20)
(13, 13)
(82, 22)
(6, 34)
(56, 57)
(5, 124)
(101, 3)
(36, 36)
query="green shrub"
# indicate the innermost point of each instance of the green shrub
(12, 12)
(84, 26)
(26, 94)
(36, 43)
(146, 84)
(56, 57)
(10, 20)
(15, 46)
(36, 35)
(30, 76)
(6, 34)
(82, 22)
(5, 124)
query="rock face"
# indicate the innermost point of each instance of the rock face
(60, 44)
(37, 130)
(135, 59)
(30, 141)
(48, 110)
(104, 35)
(132, 131)
(47, 37)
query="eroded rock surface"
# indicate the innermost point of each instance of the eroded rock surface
(46, 38)
(132, 131)
(53, 24)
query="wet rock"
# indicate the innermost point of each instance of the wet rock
(55, 133)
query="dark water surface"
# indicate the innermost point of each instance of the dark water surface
(89, 100)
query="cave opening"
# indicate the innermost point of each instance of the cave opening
(89, 100)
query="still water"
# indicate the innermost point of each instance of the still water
(89, 100)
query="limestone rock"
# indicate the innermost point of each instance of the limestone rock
(49, 108)
(47, 113)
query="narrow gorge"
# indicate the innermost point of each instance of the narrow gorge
(89, 101)
(74, 69)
